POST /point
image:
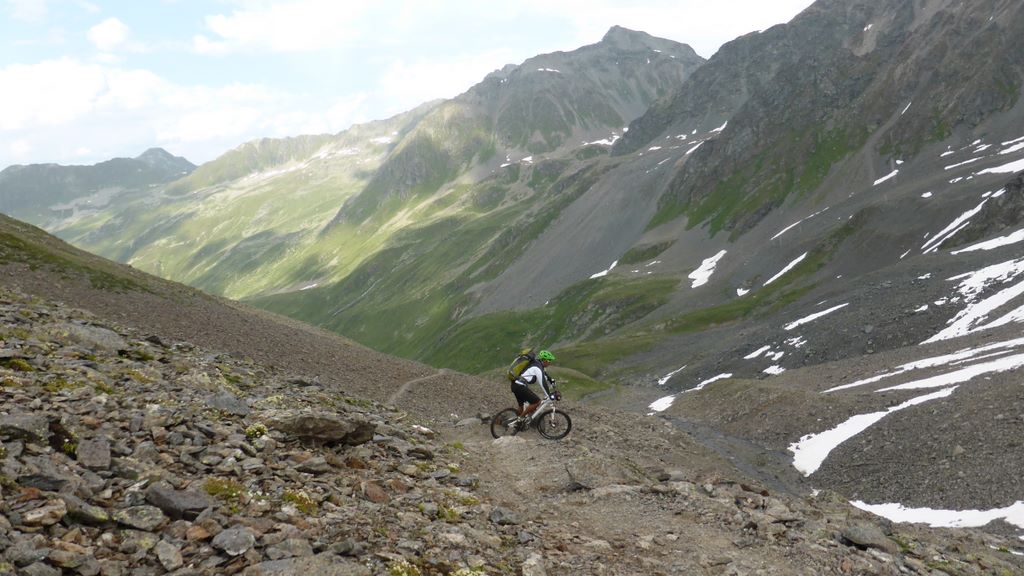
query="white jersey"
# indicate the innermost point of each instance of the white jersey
(535, 375)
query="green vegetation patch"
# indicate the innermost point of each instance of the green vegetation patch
(795, 164)
(22, 249)
(228, 491)
(584, 311)
(644, 253)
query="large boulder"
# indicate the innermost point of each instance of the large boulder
(350, 429)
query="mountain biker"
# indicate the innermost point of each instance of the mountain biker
(534, 374)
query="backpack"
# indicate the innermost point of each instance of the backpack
(521, 363)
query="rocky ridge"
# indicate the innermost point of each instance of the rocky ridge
(125, 452)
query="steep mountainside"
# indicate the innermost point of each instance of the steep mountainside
(258, 220)
(809, 252)
(48, 193)
(132, 444)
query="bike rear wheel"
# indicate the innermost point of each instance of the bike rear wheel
(554, 425)
(501, 423)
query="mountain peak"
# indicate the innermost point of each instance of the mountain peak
(155, 153)
(160, 158)
(626, 38)
(621, 38)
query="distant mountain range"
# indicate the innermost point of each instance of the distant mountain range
(50, 193)
(834, 202)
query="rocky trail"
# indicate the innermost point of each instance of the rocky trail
(129, 451)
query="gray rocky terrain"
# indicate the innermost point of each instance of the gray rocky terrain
(154, 429)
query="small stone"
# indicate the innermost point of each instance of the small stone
(197, 532)
(178, 504)
(503, 517)
(410, 470)
(146, 518)
(133, 541)
(421, 453)
(38, 569)
(169, 555)
(24, 553)
(347, 547)
(66, 560)
(533, 566)
(30, 427)
(290, 548)
(375, 493)
(235, 541)
(228, 402)
(94, 454)
(864, 535)
(46, 515)
(317, 465)
(81, 511)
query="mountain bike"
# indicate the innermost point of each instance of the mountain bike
(552, 423)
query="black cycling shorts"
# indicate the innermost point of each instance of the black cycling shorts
(524, 394)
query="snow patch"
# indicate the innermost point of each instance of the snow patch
(1012, 514)
(788, 267)
(951, 230)
(814, 316)
(969, 319)
(972, 160)
(709, 381)
(701, 275)
(994, 243)
(662, 404)
(810, 452)
(665, 378)
(757, 352)
(1014, 167)
(787, 228)
(886, 177)
(604, 273)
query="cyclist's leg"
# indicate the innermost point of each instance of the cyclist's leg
(525, 396)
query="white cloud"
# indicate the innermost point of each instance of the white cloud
(88, 6)
(20, 148)
(27, 10)
(301, 26)
(54, 114)
(407, 84)
(50, 93)
(108, 35)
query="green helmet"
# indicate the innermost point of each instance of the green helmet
(545, 355)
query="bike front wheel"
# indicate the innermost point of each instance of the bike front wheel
(502, 423)
(554, 425)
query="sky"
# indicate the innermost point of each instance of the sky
(82, 81)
